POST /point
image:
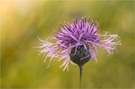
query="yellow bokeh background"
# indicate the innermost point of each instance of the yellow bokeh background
(23, 21)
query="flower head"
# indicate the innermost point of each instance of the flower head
(78, 42)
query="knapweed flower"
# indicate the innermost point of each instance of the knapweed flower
(78, 42)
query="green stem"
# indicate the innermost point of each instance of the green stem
(81, 69)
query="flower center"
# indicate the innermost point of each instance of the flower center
(80, 55)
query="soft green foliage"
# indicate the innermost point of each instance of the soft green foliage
(22, 23)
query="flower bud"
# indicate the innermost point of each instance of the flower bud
(80, 55)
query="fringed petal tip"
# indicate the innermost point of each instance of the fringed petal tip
(110, 42)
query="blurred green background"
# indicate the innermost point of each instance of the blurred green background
(22, 21)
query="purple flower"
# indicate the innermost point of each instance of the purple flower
(77, 42)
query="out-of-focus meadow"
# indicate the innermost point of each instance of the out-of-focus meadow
(22, 21)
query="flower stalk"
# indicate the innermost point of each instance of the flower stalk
(81, 70)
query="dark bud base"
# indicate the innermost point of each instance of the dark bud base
(81, 52)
